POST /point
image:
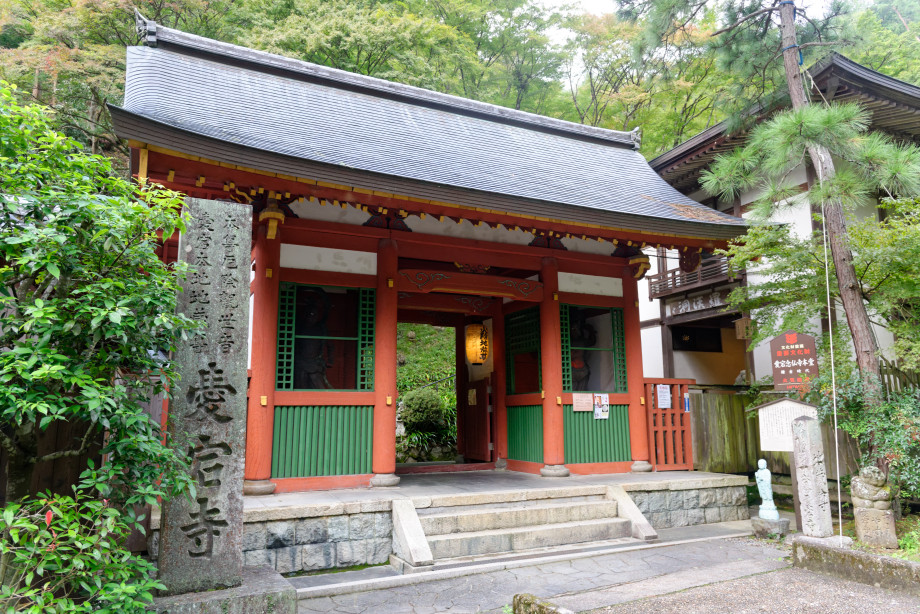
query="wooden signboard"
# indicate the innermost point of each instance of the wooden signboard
(794, 360)
(775, 421)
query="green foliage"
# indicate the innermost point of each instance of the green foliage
(422, 410)
(65, 554)
(378, 39)
(88, 308)
(786, 271)
(429, 359)
(748, 53)
(888, 433)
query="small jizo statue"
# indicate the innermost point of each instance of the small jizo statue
(870, 490)
(768, 509)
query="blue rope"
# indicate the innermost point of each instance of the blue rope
(801, 59)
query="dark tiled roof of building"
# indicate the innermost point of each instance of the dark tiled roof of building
(217, 100)
(893, 105)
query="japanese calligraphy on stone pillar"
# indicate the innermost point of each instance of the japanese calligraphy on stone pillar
(200, 537)
(808, 456)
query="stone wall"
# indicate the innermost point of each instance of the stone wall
(685, 507)
(321, 542)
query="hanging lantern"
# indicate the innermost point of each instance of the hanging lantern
(477, 344)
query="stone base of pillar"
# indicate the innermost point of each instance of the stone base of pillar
(554, 471)
(641, 466)
(258, 488)
(501, 464)
(383, 480)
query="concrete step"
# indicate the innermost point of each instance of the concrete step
(499, 504)
(510, 515)
(515, 539)
(588, 491)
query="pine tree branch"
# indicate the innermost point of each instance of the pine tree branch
(769, 9)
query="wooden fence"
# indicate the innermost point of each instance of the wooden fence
(726, 439)
(669, 430)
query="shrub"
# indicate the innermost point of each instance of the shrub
(64, 554)
(888, 433)
(423, 410)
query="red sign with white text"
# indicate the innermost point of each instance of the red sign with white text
(794, 360)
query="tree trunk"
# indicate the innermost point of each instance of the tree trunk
(18, 478)
(19, 468)
(853, 305)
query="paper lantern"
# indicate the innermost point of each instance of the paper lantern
(477, 344)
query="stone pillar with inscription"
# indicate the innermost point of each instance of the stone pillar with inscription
(200, 538)
(808, 456)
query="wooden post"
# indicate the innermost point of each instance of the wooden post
(498, 386)
(638, 420)
(384, 457)
(461, 383)
(260, 415)
(551, 365)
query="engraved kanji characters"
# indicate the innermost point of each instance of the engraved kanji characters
(206, 465)
(208, 397)
(205, 526)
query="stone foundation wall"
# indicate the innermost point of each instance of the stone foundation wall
(681, 508)
(309, 544)
(319, 543)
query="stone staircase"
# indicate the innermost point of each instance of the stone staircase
(501, 524)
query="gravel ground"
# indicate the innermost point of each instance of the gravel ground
(787, 591)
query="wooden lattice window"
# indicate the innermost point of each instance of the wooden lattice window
(593, 349)
(325, 338)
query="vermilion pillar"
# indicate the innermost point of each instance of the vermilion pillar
(260, 415)
(638, 420)
(384, 457)
(461, 383)
(498, 386)
(551, 364)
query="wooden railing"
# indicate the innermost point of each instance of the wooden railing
(669, 436)
(668, 282)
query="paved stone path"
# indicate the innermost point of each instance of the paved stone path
(588, 580)
(787, 591)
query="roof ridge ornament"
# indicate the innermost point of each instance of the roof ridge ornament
(636, 135)
(146, 28)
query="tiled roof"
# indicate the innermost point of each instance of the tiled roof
(200, 93)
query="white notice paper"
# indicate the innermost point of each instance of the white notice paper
(664, 396)
(601, 406)
(582, 402)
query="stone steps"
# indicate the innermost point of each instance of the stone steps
(497, 503)
(522, 538)
(440, 521)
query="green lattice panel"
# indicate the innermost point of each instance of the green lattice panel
(284, 370)
(619, 351)
(366, 313)
(312, 441)
(522, 334)
(564, 320)
(596, 441)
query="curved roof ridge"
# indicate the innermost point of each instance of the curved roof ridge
(157, 35)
